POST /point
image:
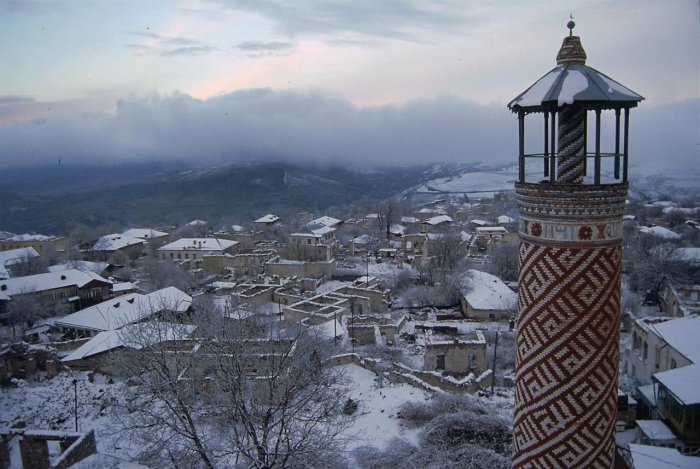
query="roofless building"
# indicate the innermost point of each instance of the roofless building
(571, 198)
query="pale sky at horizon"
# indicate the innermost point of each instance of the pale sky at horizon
(65, 62)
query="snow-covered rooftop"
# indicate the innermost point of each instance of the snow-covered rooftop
(491, 229)
(196, 223)
(121, 287)
(439, 220)
(115, 241)
(97, 267)
(655, 430)
(15, 256)
(30, 237)
(363, 239)
(567, 83)
(683, 382)
(126, 309)
(487, 292)
(691, 255)
(504, 219)
(269, 218)
(654, 457)
(409, 220)
(660, 232)
(199, 244)
(144, 233)
(48, 281)
(397, 229)
(325, 221)
(682, 334)
(134, 336)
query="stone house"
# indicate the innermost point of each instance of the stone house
(54, 292)
(43, 244)
(193, 250)
(455, 356)
(485, 297)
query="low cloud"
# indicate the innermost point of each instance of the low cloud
(168, 46)
(253, 46)
(262, 124)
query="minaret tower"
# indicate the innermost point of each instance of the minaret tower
(571, 201)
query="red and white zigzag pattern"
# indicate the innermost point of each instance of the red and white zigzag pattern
(567, 354)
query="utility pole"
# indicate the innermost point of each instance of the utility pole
(75, 402)
(493, 368)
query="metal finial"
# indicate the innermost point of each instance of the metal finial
(571, 25)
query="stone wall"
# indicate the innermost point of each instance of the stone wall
(301, 269)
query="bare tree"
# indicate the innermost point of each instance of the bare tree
(504, 261)
(243, 391)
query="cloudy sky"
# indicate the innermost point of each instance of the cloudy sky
(363, 81)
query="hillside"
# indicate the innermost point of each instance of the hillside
(238, 190)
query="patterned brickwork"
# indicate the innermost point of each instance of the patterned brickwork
(567, 355)
(570, 168)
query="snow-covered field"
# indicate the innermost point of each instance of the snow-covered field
(486, 181)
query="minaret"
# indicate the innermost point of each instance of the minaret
(571, 202)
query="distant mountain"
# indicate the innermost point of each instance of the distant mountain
(141, 195)
(61, 178)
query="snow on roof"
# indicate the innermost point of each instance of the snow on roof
(49, 281)
(237, 228)
(567, 83)
(363, 239)
(144, 233)
(504, 219)
(199, 244)
(409, 220)
(487, 292)
(126, 309)
(438, 220)
(123, 287)
(683, 382)
(134, 336)
(325, 221)
(269, 218)
(97, 267)
(28, 237)
(196, 223)
(661, 203)
(654, 457)
(655, 430)
(691, 255)
(682, 210)
(682, 334)
(488, 229)
(371, 216)
(660, 232)
(397, 229)
(649, 393)
(464, 236)
(314, 231)
(478, 222)
(15, 256)
(115, 241)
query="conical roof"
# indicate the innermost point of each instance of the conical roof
(573, 81)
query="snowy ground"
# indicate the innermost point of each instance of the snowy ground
(49, 404)
(376, 422)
